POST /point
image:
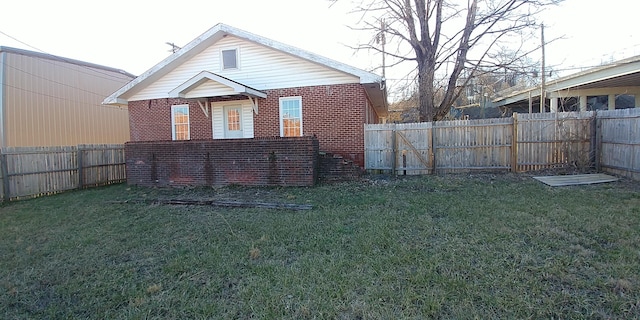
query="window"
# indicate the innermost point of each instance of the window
(229, 59)
(233, 122)
(180, 122)
(291, 117)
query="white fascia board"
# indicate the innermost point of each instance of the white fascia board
(594, 75)
(620, 68)
(216, 33)
(161, 68)
(203, 76)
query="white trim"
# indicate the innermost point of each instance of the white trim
(204, 106)
(181, 90)
(225, 120)
(215, 34)
(217, 118)
(237, 49)
(173, 124)
(294, 98)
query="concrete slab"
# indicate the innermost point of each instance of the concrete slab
(577, 179)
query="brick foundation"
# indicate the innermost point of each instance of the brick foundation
(249, 162)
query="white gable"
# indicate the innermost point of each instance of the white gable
(260, 67)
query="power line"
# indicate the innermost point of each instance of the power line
(26, 44)
(68, 60)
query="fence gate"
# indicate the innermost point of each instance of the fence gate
(402, 149)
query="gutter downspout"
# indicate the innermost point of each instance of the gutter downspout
(3, 99)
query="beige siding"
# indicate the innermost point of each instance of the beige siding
(261, 68)
(54, 103)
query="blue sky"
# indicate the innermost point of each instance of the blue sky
(132, 35)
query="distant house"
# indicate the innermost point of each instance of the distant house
(46, 100)
(612, 86)
(232, 84)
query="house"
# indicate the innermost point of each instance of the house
(232, 84)
(611, 86)
(46, 100)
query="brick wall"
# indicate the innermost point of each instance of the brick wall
(150, 120)
(250, 162)
(335, 114)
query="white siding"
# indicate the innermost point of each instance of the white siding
(217, 115)
(261, 68)
(210, 88)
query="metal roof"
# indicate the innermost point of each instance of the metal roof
(62, 59)
(622, 73)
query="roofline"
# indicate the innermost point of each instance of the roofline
(570, 81)
(63, 59)
(365, 77)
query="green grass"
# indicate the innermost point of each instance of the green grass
(455, 246)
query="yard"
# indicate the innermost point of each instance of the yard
(451, 246)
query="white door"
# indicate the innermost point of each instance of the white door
(232, 122)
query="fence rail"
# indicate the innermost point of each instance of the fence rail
(34, 171)
(608, 140)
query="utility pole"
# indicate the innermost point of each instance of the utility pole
(542, 82)
(382, 40)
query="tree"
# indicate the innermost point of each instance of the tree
(446, 39)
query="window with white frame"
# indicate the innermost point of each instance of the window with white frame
(180, 122)
(229, 59)
(291, 117)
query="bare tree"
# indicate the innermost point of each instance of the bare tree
(446, 38)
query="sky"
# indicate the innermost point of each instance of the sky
(132, 35)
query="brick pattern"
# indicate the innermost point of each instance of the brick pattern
(334, 168)
(150, 120)
(335, 114)
(249, 162)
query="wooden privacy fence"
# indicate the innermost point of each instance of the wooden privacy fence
(34, 171)
(609, 140)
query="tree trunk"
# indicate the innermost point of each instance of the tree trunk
(426, 91)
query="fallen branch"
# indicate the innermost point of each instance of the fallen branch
(222, 203)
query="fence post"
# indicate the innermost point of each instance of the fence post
(394, 141)
(433, 147)
(514, 143)
(597, 141)
(79, 156)
(5, 177)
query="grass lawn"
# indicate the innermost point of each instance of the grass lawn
(453, 246)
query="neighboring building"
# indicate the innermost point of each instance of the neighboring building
(229, 83)
(612, 86)
(47, 100)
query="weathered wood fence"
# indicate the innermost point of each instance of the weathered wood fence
(34, 171)
(607, 140)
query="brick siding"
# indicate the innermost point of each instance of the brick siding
(249, 162)
(335, 114)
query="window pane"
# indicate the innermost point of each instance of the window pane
(229, 59)
(180, 119)
(233, 119)
(291, 115)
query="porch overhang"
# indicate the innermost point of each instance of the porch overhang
(185, 90)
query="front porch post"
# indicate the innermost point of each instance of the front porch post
(583, 103)
(554, 104)
(612, 102)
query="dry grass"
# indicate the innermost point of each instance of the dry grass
(474, 246)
